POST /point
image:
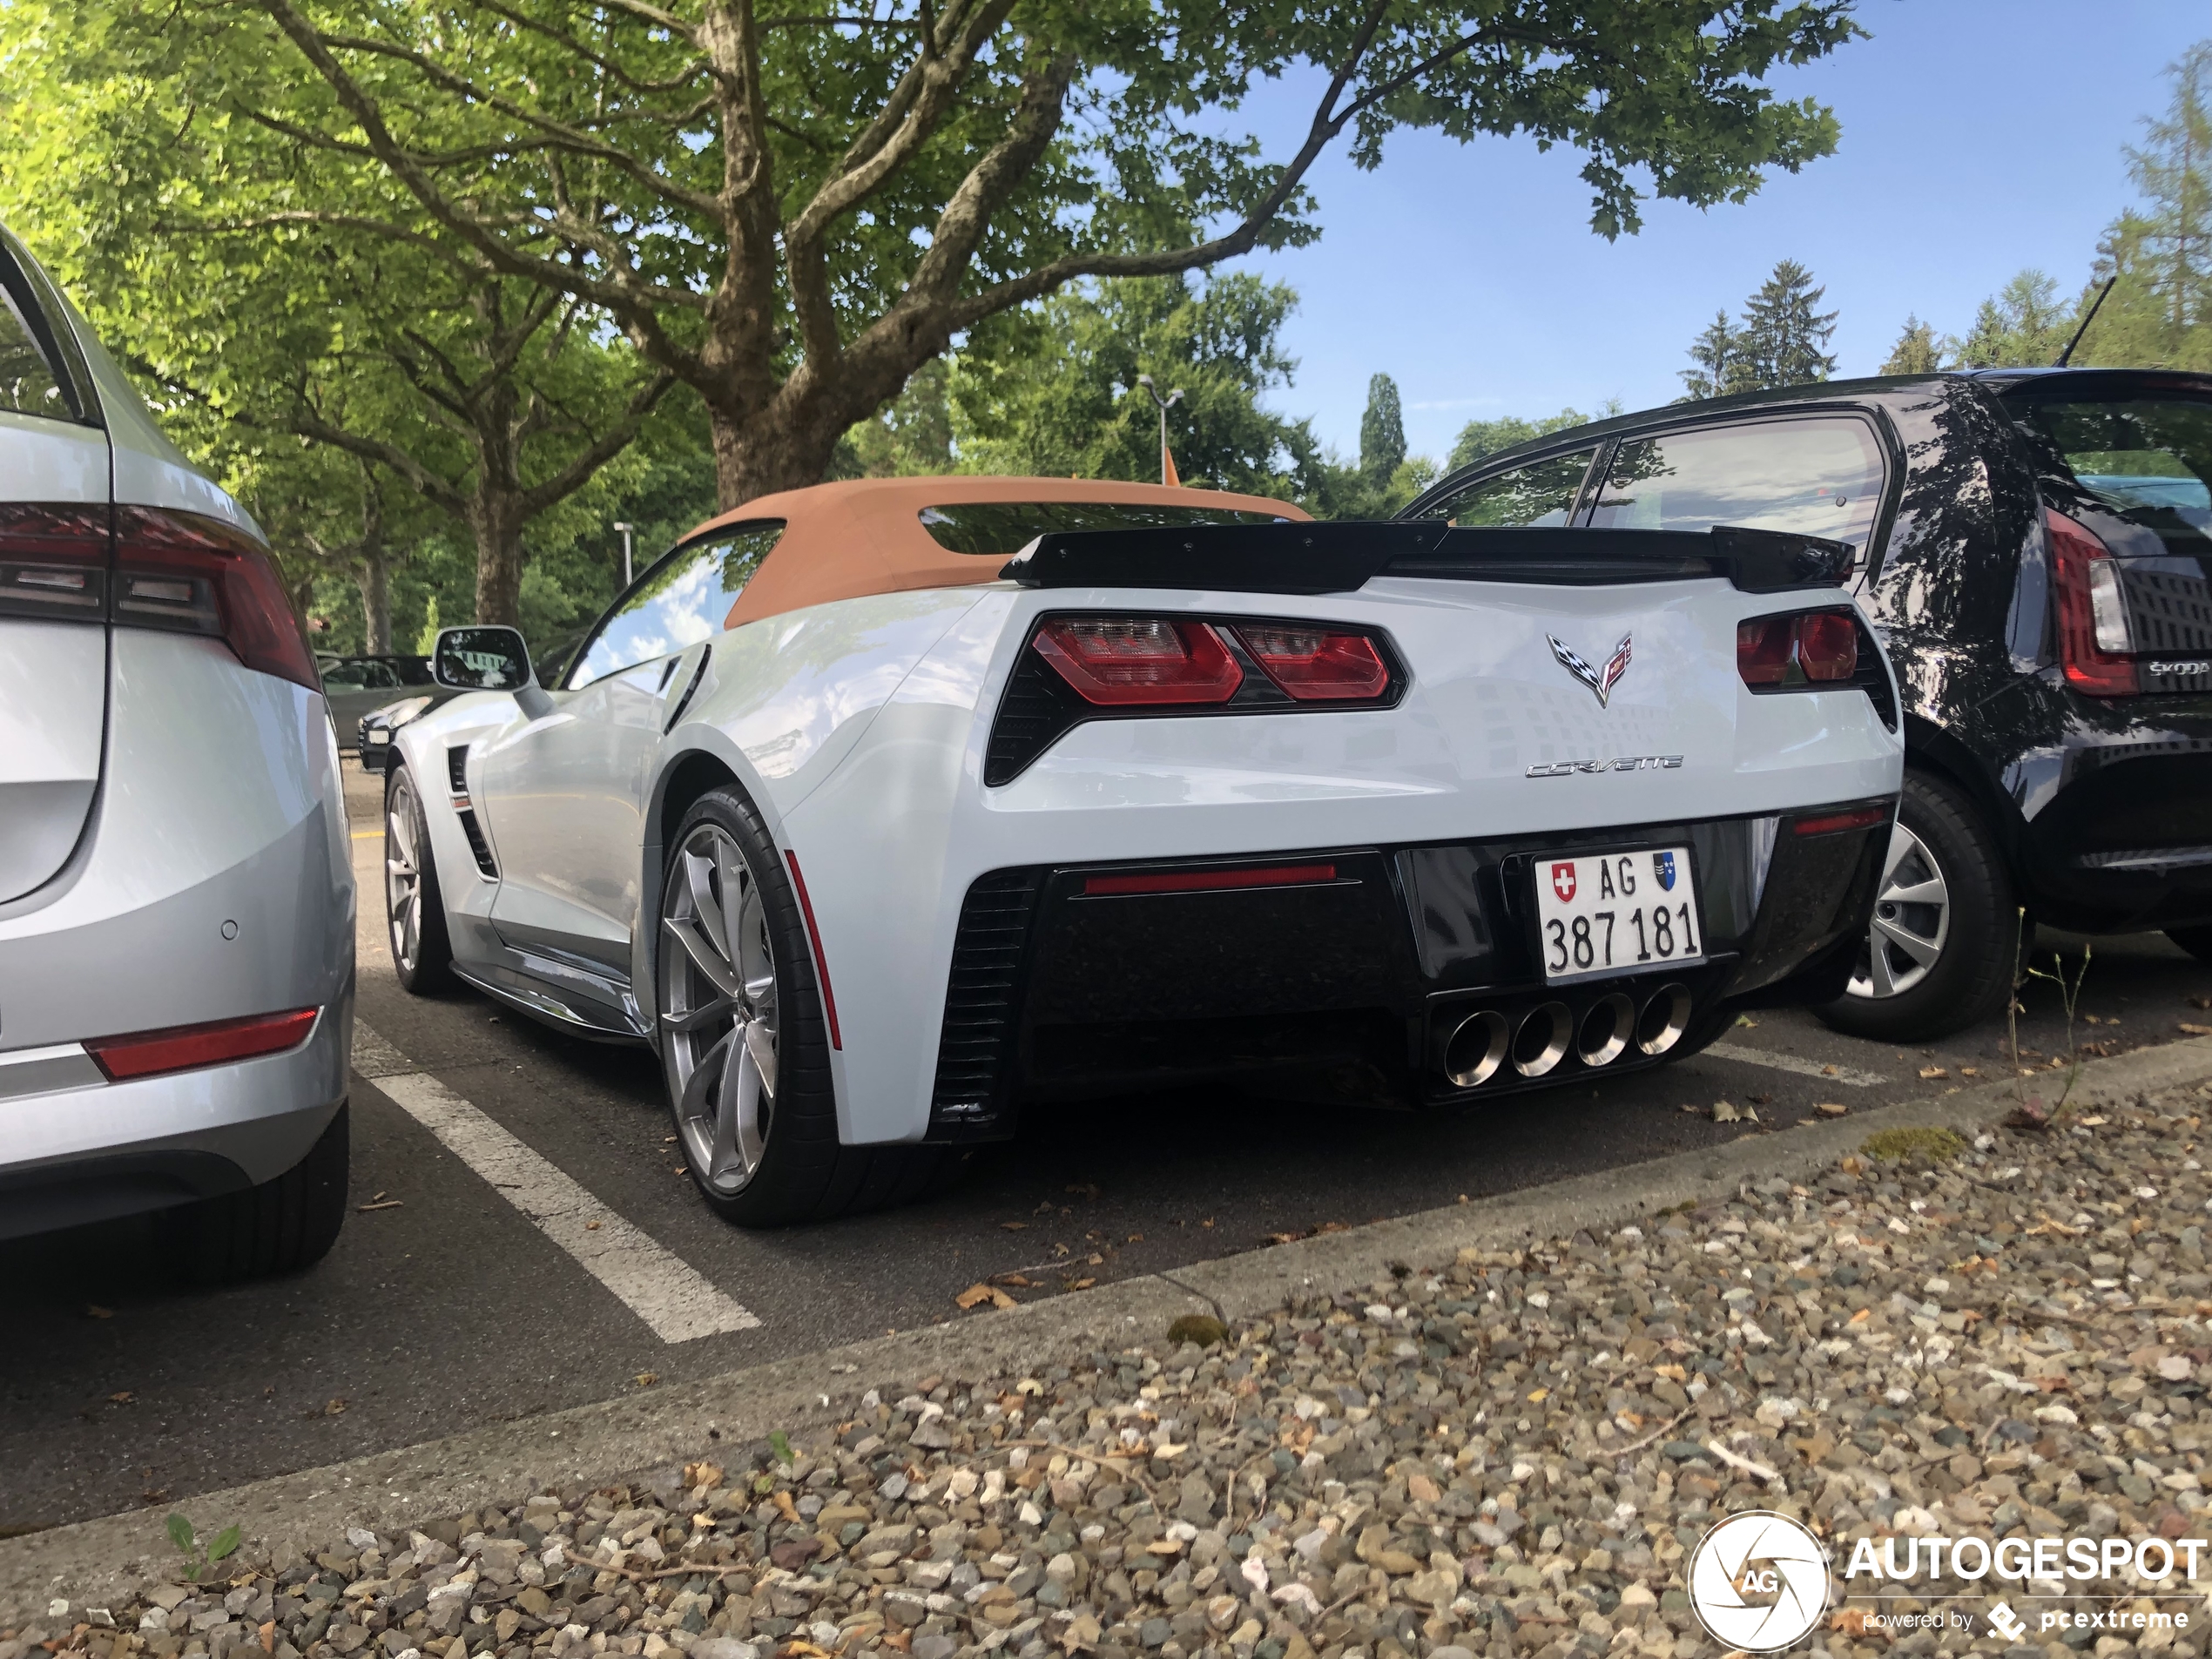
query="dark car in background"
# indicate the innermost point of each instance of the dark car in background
(2034, 546)
(356, 685)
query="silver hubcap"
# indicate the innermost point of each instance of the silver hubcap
(402, 874)
(1912, 919)
(718, 999)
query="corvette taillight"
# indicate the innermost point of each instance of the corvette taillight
(146, 1053)
(53, 560)
(1801, 648)
(1317, 664)
(2096, 645)
(1125, 661)
(192, 575)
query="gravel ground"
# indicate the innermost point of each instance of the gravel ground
(1507, 1454)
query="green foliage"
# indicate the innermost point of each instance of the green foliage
(2021, 326)
(1382, 431)
(1779, 341)
(1915, 351)
(1200, 1328)
(779, 1445)
(1481, 438)
(199, 1560)
(1055, 393)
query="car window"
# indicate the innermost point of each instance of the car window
(27, 383)
(1538, 495)
(359, 674)
(1815, 476)
(2148, 459)
(1004, 527)
(683, 599)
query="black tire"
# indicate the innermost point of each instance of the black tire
(1972, 971)
(2196, 941)
(277, 1227)
(430, 968)
(803, 1172)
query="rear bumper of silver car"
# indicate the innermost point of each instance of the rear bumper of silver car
(76, 1148)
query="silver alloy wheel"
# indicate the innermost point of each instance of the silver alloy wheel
(1911, 919)
(404, 874)
(717, 1001)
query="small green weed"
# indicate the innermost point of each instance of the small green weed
(198, 1558)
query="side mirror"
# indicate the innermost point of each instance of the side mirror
(481, 659)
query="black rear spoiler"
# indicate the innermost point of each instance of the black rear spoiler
(1339, 557)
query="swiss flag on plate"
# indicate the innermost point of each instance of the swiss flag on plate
(1563, 882)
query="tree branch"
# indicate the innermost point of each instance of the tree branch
(604, 449)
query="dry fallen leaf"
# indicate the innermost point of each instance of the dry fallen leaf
(1724, 1113)
(591, 1226)
(2194, 1030)
(1672, 1374)
(1931, 1072)
(976, 1294)
(699, 1474)
(1014, 1226)
(1078, 1283)
(1970, 1071)
(1852, 1621)
(334, 1407)
(1832, 1109)
(1536, 1396)
(1862, 1316)
(94, 1311)
(1018, 1281)
(122, 1398)
(646, 1379)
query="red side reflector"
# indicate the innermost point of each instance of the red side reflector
(814, 938)
(1280, 875)
(1832, 823)
(1126, 661)
(180, 1048)
(1316, 666)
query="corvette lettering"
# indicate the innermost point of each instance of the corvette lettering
(1622, 763)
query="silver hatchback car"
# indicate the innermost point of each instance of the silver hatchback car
(176, 877)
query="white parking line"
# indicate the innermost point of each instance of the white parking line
(667, 1292)
(1826, 1074)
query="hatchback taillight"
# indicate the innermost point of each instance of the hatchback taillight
(196, 576)
(1317, 664)
(1124, 661)
(1802, 648)
(53, 560)
(2096, 645)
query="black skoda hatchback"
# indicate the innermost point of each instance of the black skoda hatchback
(2035, 547)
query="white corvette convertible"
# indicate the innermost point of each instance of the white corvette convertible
(880, 836)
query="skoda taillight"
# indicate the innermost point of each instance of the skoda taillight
(1317, 664)
(2096, 646)
(1126, 661)
(53, 560)
(187, 574)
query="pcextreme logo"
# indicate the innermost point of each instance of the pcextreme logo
(1758, 1581)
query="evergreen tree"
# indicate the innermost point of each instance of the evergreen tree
(1915, 351)
(2022, 325)
(1382, 431)
(1714, 354)
(1784, 331)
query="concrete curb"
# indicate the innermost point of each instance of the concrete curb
(95, 1562)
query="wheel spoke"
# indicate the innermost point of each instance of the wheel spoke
(1903, 843)
(760, 1044)
(705, 1075)
(722, 1007)
(1885, 980)
(1923, 951)
(1932, 891)
(704, 956)
(706, 914)
(738, 902)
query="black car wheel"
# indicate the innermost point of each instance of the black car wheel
(414, 910)
(1939, 950)
(279, 1226)
(744, 1042)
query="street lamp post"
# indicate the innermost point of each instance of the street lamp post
(1165, 404)
(625, 529)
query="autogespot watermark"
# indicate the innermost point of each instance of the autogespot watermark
(1761, 1583)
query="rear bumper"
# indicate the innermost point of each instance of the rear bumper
(1356, 988)
(75, 1148)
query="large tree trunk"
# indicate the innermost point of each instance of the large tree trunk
(374, 581)
(786, 446)
(497, 518)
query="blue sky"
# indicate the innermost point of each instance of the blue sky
(1979, 137)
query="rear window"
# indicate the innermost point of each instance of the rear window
(2148, 459)
(27, 383)
(1538, 495)
(1004, 527)
(1811, 477)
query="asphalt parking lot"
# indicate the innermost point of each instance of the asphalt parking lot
(524, 1238)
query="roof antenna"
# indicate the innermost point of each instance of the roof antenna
(2093, 305)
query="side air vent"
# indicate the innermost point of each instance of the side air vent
(464, 809)
(976, 1050)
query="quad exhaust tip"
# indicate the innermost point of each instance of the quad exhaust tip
(1486, 1041)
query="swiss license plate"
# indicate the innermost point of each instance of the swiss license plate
(1616, 913)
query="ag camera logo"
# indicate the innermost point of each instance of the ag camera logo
(1758, 1581)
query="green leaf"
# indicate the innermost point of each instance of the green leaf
(780, 1443)
(180, 1534)
(225, 1542)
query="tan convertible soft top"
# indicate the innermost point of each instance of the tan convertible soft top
(865, 536)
